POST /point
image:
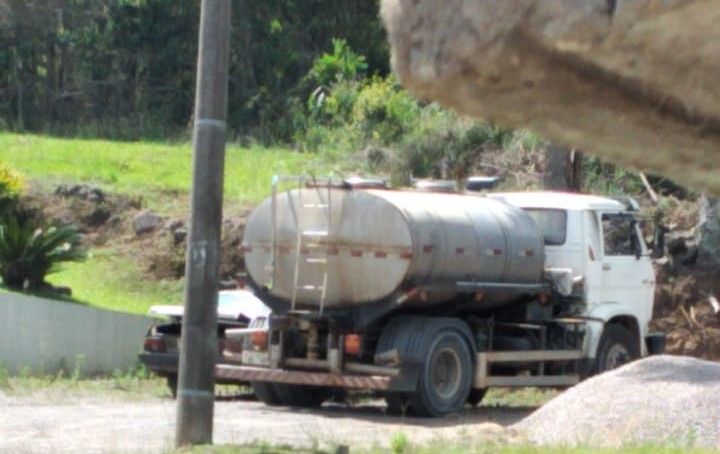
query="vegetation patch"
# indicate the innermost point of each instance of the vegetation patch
(112, 280)
(146, 169)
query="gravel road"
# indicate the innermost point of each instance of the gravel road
(118, 427)
(665, 400)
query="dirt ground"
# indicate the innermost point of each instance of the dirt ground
(91, 426)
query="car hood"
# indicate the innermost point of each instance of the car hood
(232, 305)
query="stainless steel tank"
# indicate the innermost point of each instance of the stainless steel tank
(366, 245)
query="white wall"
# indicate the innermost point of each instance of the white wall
(44, 336)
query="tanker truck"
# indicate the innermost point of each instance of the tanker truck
(430, 298)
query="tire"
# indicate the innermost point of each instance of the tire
(266, 393)
(398, 404)
(172, 384)
(476, 396)
(617, 346)
(446, 375)
(302, 396)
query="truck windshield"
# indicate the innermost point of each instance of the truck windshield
(552, 224)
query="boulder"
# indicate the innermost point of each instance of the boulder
(634, 82)
(146, 221)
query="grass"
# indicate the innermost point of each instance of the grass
(134, 385)
(110, 280)
(147, 168)
(518, 397)
(158, 172)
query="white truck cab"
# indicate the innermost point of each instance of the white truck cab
(598, 239)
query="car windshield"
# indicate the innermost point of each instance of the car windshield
(552, 223)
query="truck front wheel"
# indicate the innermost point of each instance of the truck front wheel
(446, 376)
(617, 346)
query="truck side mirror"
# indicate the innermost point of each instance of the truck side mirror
(658, 250)
(635, 239)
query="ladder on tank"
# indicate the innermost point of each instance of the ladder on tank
(309, 238)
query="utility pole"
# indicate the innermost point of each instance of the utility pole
(198, 350)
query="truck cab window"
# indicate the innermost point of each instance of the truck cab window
(552, 224)
(619, 234)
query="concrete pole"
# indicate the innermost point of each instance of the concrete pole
(198, 350)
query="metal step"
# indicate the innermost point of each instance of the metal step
(315, 233)
(314, 288)
(319, 260)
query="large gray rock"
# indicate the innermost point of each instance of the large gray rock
(146, 221)
(659, 400)
(634, 81)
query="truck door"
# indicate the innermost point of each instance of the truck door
(627, 274)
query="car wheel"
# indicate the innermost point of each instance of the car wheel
(617, 347)
(172, 384)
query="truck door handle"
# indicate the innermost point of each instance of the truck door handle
(606, 267)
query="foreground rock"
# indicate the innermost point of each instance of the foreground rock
(632, 81)
(659, 400)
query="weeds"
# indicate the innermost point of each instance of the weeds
(399, 443)
(132, 384)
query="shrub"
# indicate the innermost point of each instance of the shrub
(384, 112)
(28, 254)
(11, 183)
(341, 64)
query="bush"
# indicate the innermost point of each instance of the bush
(11, 183)
(384, 112)
(376, 121)
(28, 254)
(342, 64)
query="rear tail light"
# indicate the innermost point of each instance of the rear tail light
(155, 345)
(259, 339)
(233, 345)
(353, 344)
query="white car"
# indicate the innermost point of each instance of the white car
(161, 348)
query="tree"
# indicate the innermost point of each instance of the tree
(125, 68)
(563, 169)
(708, 233)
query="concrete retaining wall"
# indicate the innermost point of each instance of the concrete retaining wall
(44, 336)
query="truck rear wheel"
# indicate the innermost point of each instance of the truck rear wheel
(446, 375)
(617, 346)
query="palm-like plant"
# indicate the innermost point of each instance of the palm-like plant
(28, 254)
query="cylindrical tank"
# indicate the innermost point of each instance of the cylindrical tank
(366, 245)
